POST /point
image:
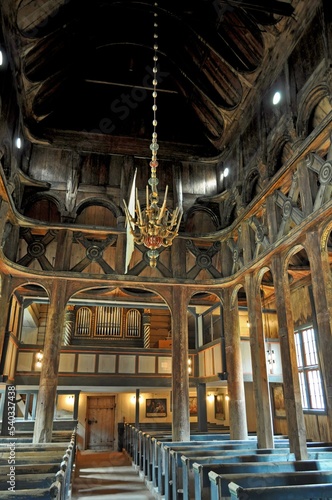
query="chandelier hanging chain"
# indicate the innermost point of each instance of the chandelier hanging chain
(153, 226)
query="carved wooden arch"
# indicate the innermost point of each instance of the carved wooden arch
(228, 210)
(31, 200)
(202, 208)
(250, 182)
(101, 202)
(163, 292)
(234, 295)
(19, 284)
(307, 105)
(5, 157)
(289, 254)
(277, 148)
(326, 234)
(31, 23)
(206, 291)
(259, 285)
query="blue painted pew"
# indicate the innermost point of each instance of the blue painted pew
(29, 481)
(179, 448)
(173, 468)
(187, 487)
(299, 492)
(173, 452)
(142, 439)
(173, 463)
(162, 454)
(261, 455)
(154, 444)
(30, 468)
(51, 493)
(219, 484)
(202, 480)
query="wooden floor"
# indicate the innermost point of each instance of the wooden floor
(107, 475)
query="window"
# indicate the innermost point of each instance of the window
(309, 372)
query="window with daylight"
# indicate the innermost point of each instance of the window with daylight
(309, 372)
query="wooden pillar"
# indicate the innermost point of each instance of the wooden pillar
(202, 411)
(180, 375)
(322, 295)
(293, 404)
(120, 254)
(49, 371)
(259, 371)
(137, 408)
(179, 251)
(5, 293)
(237, 404)
(64, 250)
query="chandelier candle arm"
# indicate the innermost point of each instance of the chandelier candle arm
(163, 206)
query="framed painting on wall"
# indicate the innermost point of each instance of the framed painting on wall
(278, 401)
(193, 406)
(219, 407)
(156, 407)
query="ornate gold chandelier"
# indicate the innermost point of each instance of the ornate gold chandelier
(154, 226)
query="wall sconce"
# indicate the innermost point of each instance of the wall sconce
(39, 359)
(248, 324)
(189, 366)
(210, 397)
(227, 397)
(133, 399)
(70, 399)
(270, 358)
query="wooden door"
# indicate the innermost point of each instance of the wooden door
(100, 423)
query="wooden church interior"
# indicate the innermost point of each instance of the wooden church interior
(228, 326)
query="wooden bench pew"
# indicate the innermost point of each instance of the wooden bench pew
(164, 458)
(51, 493)
(26, 457)
(34, 448)
(30, 481)
(261, 455)
(298, 492)
(31, 451)
(202, 479)
(146, 448)
(43, 468)
(149, 454)
(172, 459)
(162, 453)
(154, 442)
(146, 458)
(159, 461)
(173, 453)
(185, 484)
(219, 483)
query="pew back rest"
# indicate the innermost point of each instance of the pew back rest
(219, 483)
(201, 471)
(299, 492)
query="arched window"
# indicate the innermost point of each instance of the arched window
(83, 322)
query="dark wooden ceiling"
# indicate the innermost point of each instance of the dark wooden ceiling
(84, 69)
